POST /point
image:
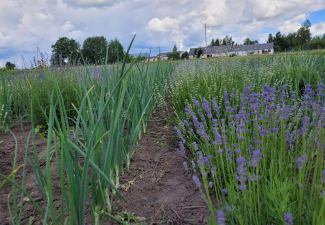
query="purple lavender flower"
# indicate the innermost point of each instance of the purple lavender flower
(196, 148)
(216, 107)
(221, 218)
(197, 181)
(254, 177)
(203, 196)
(242, 171)
(186, 123)
(200, 161)
(220, 151)
(229, 208)
(224, 191)
(218, 138)
(319, 90)
(257, 155)
(300, 163)
(288, 219)
(300, 185)
(323, 194)
(241, 178)
(237, 150)
(206, 107)
(182, 148)
(196, 102)
(179, 134)
(242, 187)
(241, 161)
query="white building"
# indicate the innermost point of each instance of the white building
(241, 50)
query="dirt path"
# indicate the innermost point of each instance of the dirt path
(163, 191)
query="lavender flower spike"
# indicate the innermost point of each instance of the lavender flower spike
(257, 155)
(221, 218)
(288, 219)
(197, 181)
(300, 163)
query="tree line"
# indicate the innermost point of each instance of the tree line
(93, 51)
(300, 39)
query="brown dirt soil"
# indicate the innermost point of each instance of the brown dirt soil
(157, 185)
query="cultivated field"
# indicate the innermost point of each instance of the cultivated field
(221, 141)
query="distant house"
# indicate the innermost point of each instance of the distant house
(241, 50)
(211, 51)
(162, 56)
(152, 59)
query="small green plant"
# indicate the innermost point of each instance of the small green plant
(30, 221)
(128, 217)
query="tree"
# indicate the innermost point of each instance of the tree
(212, 42)
(198, 52)
(141, 58)
(115, 51)
(173, 56)
(224, 42)
(216, 43)
(248, 41)
(94, 50)
(65, 48)
(175, 48)
(10, 66)
(227, 40)
(185, 55)
(303, 33)
(270, 38)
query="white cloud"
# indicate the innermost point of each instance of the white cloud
(157, 23)
(164, 25)
(292, 25)
(67, 26)
(91, 3)
(318, 28)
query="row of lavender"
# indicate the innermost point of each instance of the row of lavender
(260, 162)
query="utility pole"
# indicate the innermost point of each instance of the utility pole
(206, 47)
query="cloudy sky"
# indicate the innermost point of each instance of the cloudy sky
(28, 24)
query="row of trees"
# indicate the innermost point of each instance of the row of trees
(176, 55)
(93, 51)
(301, 39)
(223, 41)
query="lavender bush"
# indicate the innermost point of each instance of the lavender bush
(262, 159)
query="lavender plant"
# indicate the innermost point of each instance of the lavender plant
(262, 159)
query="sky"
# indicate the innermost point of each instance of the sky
(158, 24)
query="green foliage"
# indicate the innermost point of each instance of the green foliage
(141, 58)
(301, 39)
(10, 66)
(282, 188)
(173, 56)
(175, 48)
(115, 51)
(94, 50)
(65, 48)
(248, 41)
(185, 55)
(198, 52)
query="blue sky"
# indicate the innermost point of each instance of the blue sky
(26, 25)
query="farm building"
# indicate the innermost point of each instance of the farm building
(241, 50)
(162, 56)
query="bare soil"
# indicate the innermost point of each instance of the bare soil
(157, 187)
